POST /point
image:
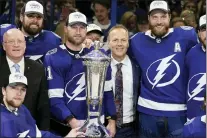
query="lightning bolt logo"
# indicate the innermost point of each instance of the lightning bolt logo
(80, 87)
(164, 64)
(161, 68)
(200, 83)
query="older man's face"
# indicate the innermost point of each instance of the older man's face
(14, 44)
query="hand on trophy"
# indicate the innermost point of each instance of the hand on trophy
(112, 127)
(74, 123)
(75, 133)
(87, 43)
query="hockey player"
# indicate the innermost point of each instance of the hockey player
(160, 53)
(39, 41)
(196, 127)
(196, 69)
(66, 78)
(16, 120)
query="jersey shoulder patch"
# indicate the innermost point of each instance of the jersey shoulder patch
(53, 51)
(186, 27)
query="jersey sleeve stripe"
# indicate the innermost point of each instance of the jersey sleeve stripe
(161, 106)
(55, 93)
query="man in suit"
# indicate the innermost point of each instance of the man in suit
(36, 99)
(125, 77)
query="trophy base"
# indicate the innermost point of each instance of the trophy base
(94, 130)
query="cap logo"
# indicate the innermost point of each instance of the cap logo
(77, 16)
(158, 3)
(18, 77)
(34, 6)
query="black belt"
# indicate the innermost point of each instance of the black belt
(131, 124)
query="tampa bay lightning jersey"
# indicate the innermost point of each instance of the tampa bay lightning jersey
(163, 84)
(195, 128)
(196, 69)
(20, 124)
(66, 82)
(36, 46)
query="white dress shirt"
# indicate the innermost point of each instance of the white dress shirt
(128, 112)
(11, 65)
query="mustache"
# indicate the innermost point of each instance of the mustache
(33, 24)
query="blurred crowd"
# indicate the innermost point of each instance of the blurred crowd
(131, 13)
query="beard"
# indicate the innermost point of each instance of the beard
(32, 31)
(73, 41)
(14, 103)
(158, 33)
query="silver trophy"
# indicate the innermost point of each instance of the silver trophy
(96, 64)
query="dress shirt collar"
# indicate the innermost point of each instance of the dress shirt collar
(11, 63)
(125, 61)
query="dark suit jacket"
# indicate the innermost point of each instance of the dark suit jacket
(36, 99)
(136, 73)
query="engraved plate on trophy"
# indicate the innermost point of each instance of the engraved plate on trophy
(96, 64)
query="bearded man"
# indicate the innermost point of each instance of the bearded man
(66, 78)
(160, 53)
(196, 69)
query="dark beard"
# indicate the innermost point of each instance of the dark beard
(156, 33)
(30, 31)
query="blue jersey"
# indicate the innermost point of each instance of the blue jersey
(161, 60)
(195, 128)
(37, 46)
(196, 68)
(66, 79)
(20, 124)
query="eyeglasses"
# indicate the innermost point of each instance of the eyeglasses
(12, 42)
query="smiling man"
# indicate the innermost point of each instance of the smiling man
(125, 80)
(161, 52)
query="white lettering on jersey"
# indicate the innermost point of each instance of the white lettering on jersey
(164, 64)
(52, 51)
(177, 47)
(80, 87)
(200, 86)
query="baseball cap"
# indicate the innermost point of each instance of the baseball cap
(202, 21)
(33, 7)
(77, 17)
(160, 5)
(94, 27)
(17, 79)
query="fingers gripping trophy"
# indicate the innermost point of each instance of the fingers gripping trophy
(96, 64)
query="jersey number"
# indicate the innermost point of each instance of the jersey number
(49, 73)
